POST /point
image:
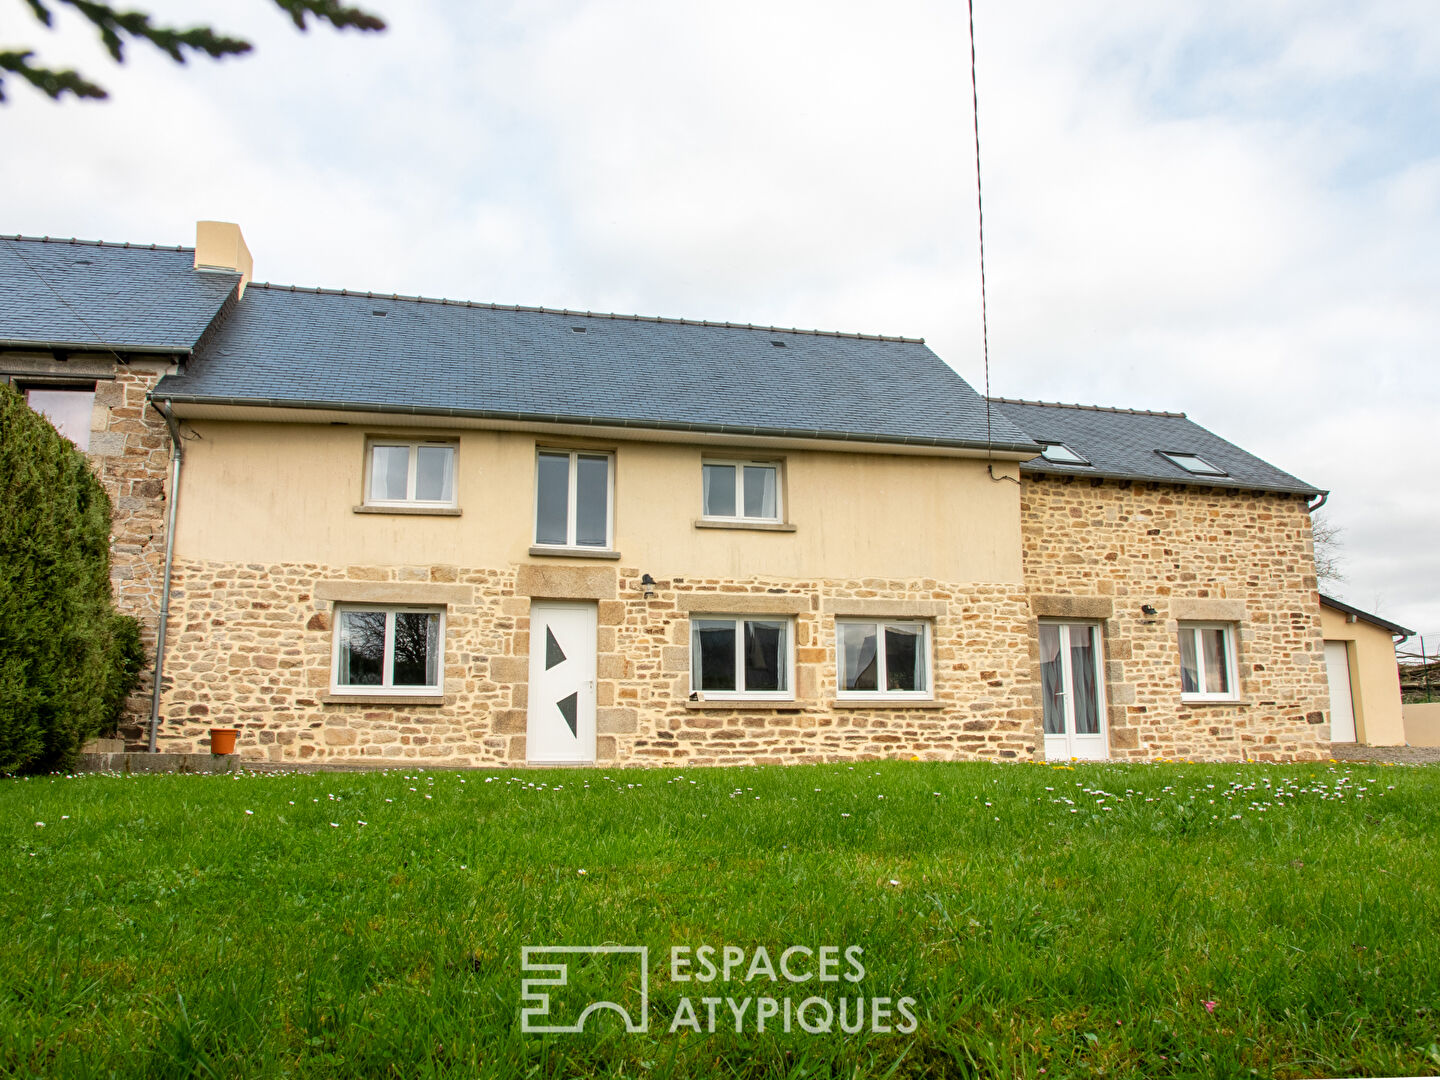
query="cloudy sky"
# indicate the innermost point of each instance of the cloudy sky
(1225, 207)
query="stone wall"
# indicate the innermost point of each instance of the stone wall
(252, 647)
(130, 452)
(1102, 550)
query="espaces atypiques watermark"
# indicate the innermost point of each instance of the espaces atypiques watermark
(803, 982)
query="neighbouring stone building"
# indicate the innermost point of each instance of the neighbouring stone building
(426, 531)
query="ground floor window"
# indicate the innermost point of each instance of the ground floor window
(883, 659)
(742, 657)
(388, 649)
(1207, 661)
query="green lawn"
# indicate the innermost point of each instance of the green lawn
(1047, 921)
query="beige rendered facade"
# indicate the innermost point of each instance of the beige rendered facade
(274, 533)
(1362, 653)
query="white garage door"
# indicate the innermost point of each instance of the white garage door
(1342, 707)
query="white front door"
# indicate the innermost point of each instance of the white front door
(1342, 705)
(1073, 687)
(561, 723)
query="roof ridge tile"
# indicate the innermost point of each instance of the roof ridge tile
(1087, 408)
(570, 313)
(92, 243)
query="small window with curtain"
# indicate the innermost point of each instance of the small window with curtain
(410, 473)
(574, 499)
(67, 406)
(1207, 662)
(742, 657)
(381, 649)
(882, 659)
(741, 491)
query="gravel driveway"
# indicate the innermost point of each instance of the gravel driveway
(1392, 755)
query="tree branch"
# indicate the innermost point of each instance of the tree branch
(48, 81)
(117, 28)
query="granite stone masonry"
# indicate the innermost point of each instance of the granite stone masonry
(251, 646)
(1103, 550)
(130, 452)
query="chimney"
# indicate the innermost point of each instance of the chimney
(219, 246)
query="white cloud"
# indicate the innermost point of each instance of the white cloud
(1231, 208)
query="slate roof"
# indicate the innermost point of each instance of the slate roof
(1126, 444)
(84, 294)
(322, 349)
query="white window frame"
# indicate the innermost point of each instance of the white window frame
(573, 497)
(1231, 660)
(739, 466)
(881, 675)
(413, 445)
(388, 663)
(1050, 444)
(741, 694)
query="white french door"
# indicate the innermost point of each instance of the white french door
(560, 726)
(1072, 684)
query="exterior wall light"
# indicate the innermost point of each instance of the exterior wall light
(648, 584)
(1147, 610)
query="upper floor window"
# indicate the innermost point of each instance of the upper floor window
(410, 472)
(741, 490)
(1193, 463)
(1207, 662)
(742, 657)
(381, 649)
(574, 497)
(883, 659)
(67, 407)
(1060, 454)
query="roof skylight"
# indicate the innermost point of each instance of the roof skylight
(1193, 463)
(1061, 454)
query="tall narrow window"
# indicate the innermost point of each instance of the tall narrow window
(388, 650)
(573, 499)
(741, 490)
(67, 408)
(883, 659)
(411, 473)
(1207, 662)
(739, 657)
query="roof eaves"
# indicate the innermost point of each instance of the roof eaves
(1056, 469)
(94, 346)
(160, 394)
(1365, 616)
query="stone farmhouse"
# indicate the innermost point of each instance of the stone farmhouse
(385, 529)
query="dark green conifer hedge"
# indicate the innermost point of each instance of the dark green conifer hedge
(67, 658)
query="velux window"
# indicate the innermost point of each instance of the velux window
(1207, 662)
(1060, 454)
(382, 650)
(886, 659)
(573, 499)
(742, 657)
(741, 490)
(1193, 463)
(406, 473)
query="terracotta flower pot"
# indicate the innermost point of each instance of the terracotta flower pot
(222, 740)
